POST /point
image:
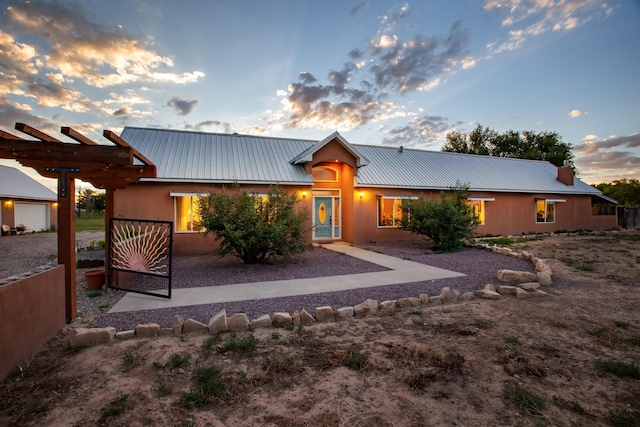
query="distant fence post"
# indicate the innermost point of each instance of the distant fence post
(629, 217)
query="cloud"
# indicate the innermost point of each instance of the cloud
(358, 93)
(608, 159)
(419, 131)
(591, 144)
(353, 13)
(51, 94)
(531, 18)
(182, 107)
(576, 113)
(80, 48)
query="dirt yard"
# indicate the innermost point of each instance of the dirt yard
(569, 359)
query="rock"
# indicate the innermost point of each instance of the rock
(218, 323)
(306, 319)
(238, 322)
(366, 307)
(505, 251)
(527, 255)
(344, 313)
(126, 335)
(178, 322)
(148, 330)
(504, 289)
(538, 293)
(467, 296)
(193, 326)
(489, 287)
(165, 332)
(387, 305)
(86, 337)
(522, 294)
(295, 318)
(424, 299)
(543, 267)
(404, 303)
(263, 321)
(280, 320)
(435, 300)
(488, 294)
(529, 286)
(544, 278)
(324, 314)
(448, 295)
(512, 276)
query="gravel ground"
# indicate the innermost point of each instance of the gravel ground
(22, 253)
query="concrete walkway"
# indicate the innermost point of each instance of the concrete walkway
(401, 271)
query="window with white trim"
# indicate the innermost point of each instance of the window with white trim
(390, 212)
(187, 218)
(545, 211)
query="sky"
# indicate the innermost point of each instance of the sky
(378, 72)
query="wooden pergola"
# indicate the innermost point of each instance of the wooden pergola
(108, 167)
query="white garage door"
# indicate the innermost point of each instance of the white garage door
(34, 215)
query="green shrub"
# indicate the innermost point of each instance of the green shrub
(620, 369)
(245, 345)
(253, 228)
(210, 385)
(114, 408)
(355, 360)
(527, 400)
(447, 220)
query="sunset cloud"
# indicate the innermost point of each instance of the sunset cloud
(576, 113)
(609, 157)
(182, 106)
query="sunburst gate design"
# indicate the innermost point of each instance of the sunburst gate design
(139, 249)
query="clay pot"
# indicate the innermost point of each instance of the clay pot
(95, 279)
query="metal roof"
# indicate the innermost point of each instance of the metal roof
(224, 158)
(219, 158)
(421, 169)
(14, 184)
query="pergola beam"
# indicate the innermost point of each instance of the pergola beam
(35, 133)
(72, 154)
(73, 134)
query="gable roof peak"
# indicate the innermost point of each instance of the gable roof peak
(307, 155)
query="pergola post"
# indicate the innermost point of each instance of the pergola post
(109, 212)
(67, 240)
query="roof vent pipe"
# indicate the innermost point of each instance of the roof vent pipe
(401, 148)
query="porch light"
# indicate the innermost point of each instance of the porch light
(9, 202)
(304, 194)
(55, 204)
(361, 194)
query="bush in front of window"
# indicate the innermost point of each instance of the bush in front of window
(254, 228)
(447, 220)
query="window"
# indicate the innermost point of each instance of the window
(390, 212)
(187, 218)
(545, 210)
(478, 211)
(324, 173)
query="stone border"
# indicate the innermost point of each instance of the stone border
(524, 285)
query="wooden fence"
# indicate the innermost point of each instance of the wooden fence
(629, 217)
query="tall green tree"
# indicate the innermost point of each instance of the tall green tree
(531, 145)
(256, 229)
(625, 191)
(447, 220)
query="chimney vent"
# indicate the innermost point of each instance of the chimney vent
(401, 149)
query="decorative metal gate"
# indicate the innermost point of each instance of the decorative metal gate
(140, 256)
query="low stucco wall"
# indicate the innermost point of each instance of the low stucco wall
(32, 312)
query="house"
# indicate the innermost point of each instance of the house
(24, 201)
(352, 192)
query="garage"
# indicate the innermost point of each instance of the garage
(34, 215)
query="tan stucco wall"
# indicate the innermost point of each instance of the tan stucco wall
(32, 311)
(153, 201)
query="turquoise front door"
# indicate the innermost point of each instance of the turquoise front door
(323, 218)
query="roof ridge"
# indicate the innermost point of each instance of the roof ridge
(234, 134)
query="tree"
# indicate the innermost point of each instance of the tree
(254, 228)
(625, 191)
(531, 145)
(447, 220)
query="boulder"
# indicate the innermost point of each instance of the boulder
(282, 319)
(467, 296)
(489, 287)
(387, 305)
(424, 299)
(504, 289)
(544, 278)
(529, 286)
(366, 307)
(86, 337)
(238, 322)
(344, 313)
(193, 326)
(148, 330)
(538, 293)
(306, 319)
(488, 294)
(295, 318)
(543, 267)
(522, 294)
(263, 321)
(324, 314)
(126, 335)
(218, 323)
(448, 295)
(435, 300)
(178, 322)
(404, 303)
(513, 276)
